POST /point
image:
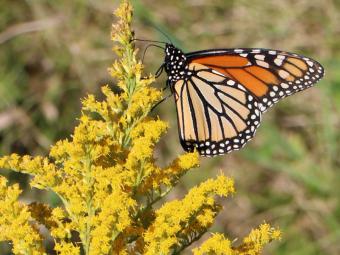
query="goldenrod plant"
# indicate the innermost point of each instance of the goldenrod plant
(109, 182)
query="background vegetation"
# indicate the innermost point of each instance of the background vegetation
(52, 53)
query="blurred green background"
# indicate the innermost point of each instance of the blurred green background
(52, 53)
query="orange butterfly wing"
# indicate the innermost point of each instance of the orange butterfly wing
(268, 75)
(220, 94)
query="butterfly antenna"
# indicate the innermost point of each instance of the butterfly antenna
(163, 33)
(149, 41)
(147, 47)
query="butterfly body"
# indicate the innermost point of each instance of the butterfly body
(220, 94)
(175, 64)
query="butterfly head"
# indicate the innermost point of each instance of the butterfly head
(175, 63)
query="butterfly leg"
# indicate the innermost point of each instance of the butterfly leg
(161, 101)
(159, 71)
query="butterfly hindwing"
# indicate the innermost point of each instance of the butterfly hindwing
(215, 114)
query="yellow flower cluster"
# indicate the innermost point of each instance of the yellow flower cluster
(15, 220)
(108, 180)
(179, 223)
(217, 244)
(252, 244)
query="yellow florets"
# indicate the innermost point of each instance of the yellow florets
(217, 244)
(15, 219)
(109, 182)
(252, 244)
(195, 213)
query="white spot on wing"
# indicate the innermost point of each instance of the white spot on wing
(262, 63)
(259, 57)
(230, 82)
(310, 63)
(256, 51)
(284, 85)
(278, 62)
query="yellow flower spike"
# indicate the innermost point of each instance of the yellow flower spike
(15, 221)
(254, 243)
(108, 180)
(170, 175)
(217, 244)
(166, 231)
(44, 172)
(122, 29)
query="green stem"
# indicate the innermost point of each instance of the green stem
(176, 252)
(89, 206)
(139, 176)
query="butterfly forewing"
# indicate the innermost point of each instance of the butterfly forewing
(268, 75)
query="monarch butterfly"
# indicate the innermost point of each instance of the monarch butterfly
(220, 94)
